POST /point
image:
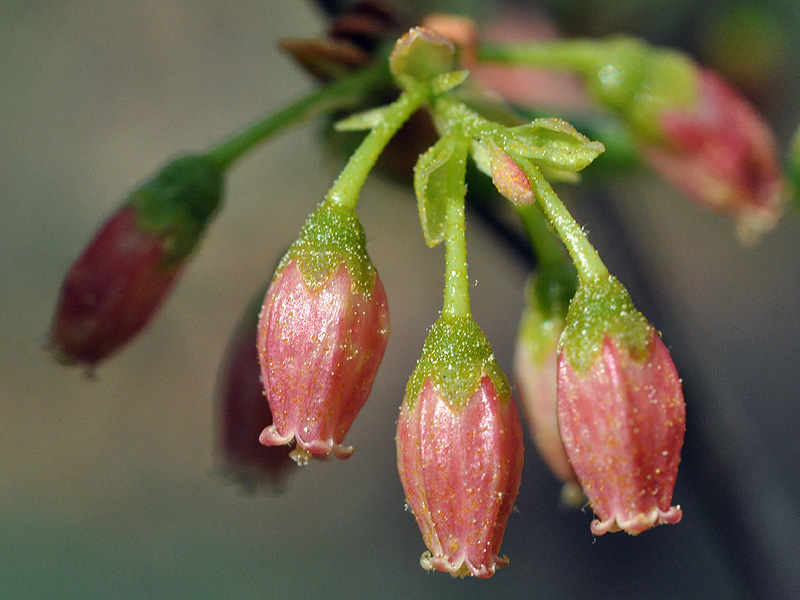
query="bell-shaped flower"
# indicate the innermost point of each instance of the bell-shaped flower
(242, 413)
(535, 364)
(460, 450)
(621, 411)
(321, 337)
(721, 153)
(694, 129)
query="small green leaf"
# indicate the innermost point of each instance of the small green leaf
(363, 121)
(431, 185)
(550, 143)
(448, 81)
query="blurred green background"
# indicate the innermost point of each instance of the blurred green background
(108, 487)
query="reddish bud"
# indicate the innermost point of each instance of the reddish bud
(321, 336)
(510, 180)
(622, 421)
(111, 290)
(459, 450)
(243, 413)
(535, 368)
(535, 363)
(115, 286)
(721, 153)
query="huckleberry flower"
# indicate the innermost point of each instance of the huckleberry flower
(242, 412)
(459, 450)
(621, 411)
(535, 363)
(117, 283)
(695, 129)
(721, 153)
(321, 336)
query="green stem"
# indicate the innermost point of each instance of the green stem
(573, 55)
(585, 257)
(456, 284)
(345, 91)
(547, 247)
(347, 187)
(456, 112)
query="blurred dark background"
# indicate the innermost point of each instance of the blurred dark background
(109, 487)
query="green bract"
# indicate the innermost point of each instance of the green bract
(602, 307)
(455, 357)
(432, 183)
(551, 143)
(178, 201)
(332, 235)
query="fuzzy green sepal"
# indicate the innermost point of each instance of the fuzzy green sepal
(178, 201)
(552, 288)
(602, 307)
(456, 356)
(548, 295)
(332, 235)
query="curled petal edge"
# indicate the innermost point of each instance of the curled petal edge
(304, 450)
(464, 569)
(639, 523)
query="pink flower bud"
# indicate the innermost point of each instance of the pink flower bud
(510, 180)
(243, 412)
(459, 450)
(111, 290)
(622, 421)
(535, 364)
(721, 153)
(536, 375)
(461, 471)
(321, 337)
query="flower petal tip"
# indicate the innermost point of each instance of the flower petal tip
(638, 523)
(463, 569)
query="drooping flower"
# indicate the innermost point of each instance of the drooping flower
(112, 290)
(695, 129)
(321, 337)
(621, 411)
(460, 450)
(242, 412)
(722, 154)
(535, 363)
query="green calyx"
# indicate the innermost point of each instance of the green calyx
(640, 81)
(332, 235)
(421, 55)
(548, 295)
(603, 307)
(552, 288)
(456, 356)
(178, 201)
